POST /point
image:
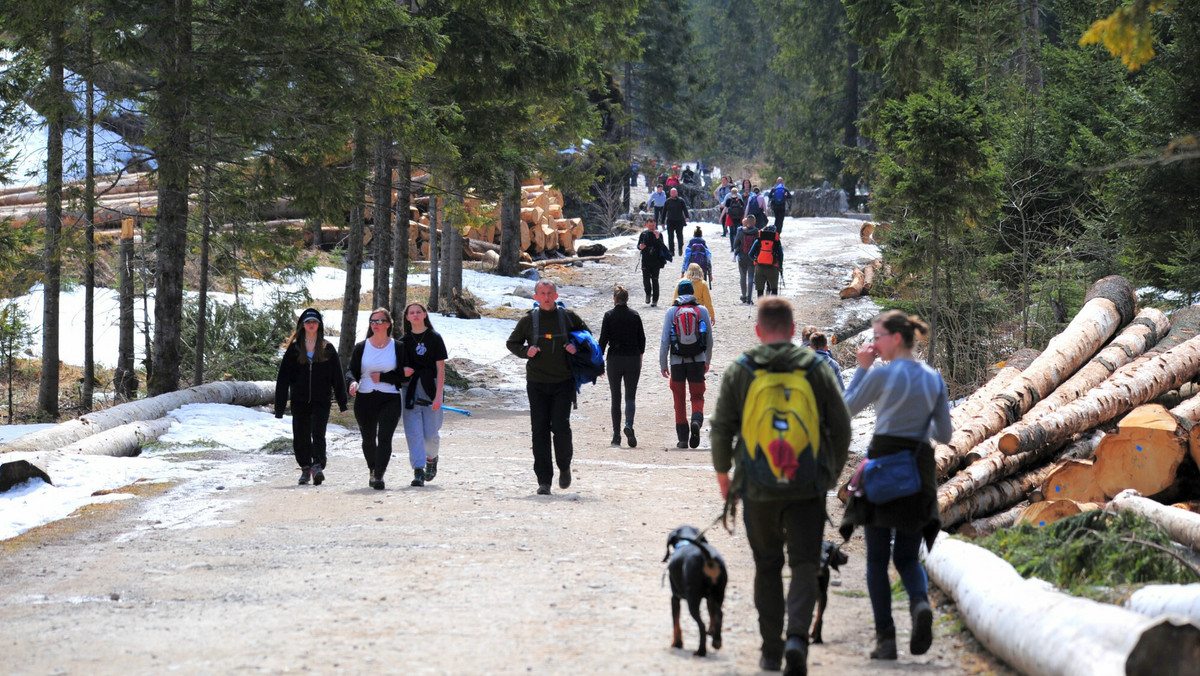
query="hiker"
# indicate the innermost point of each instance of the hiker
(624, 338)
(756, 206)
(377, 372)
(633, 173)
(719, 194)
(744, 241)
(697, 252)
(310, 374)
(657, 199)
(820, 345)
(767, 254)
(699, 289)
(780, 473)
(675, 213)
(672, 180)
(425, 359)
(910, 406)
(655, 255)
(543, 338)
(684, 355)
(734, 212)
(778, 197)
(806, 334)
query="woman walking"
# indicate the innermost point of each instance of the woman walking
(622, 334)
(910, 406)
(311, 374)
(376, 372)
(425, 359)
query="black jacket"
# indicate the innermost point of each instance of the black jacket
(622, 333)
(675, 210)
(354, 372)
(652, 259)
(309, 382)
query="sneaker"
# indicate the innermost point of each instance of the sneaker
(543, 489)
(796, 654)
(694, 440)
(564, 478)
(647, 299)
(430, 468)
(418, 476)
(922, 628)
(616, 440)
(318, 475)
(305, 475)
(885, 646)
(629, 437)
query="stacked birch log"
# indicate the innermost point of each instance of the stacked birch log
(1072, 428)
(129, 196)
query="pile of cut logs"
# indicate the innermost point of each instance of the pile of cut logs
(1111, 404)
(862, 279)
(129, 196)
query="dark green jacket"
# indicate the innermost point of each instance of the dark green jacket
(550, 364)
(727, 443)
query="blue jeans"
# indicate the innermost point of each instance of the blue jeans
(422, 427)
(903, 553)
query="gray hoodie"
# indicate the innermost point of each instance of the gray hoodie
(664, 347)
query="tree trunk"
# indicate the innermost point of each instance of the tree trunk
(173, 152)
(256, 393)
(993, 498)
(452, 250)
(401, 252)
(1144, 454)
(1042, 632)
(354, 251)
(1157, 600)
(512, 230)
(850, 118)
(87, 390)
(435, 219)
(124, 377)
(1073, 480)
(52, 252)
(1183, 526)
(125, 441)
(990, 524)
(1130, 386)
(205, 235)
(1110, 304)
(382, 223)
(1188, 415)
(1047, 512)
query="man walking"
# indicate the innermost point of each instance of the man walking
(675, 213)
(743, 244)
(657, 199)
(782, 474)
(779, 196)
(767, 254)
(543, 338)
(684, 355)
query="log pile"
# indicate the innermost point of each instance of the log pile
(1080, 423)
(862, 280)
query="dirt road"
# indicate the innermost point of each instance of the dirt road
(472, 574)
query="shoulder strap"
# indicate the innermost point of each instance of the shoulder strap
(562, 322)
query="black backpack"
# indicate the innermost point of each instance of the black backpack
(736, 209)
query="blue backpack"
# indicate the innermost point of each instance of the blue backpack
(778, 195)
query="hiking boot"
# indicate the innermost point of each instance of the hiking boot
(378, 484)
(305, 475)
(681, 431)
(418, 476)
(543, 489)
(616, 440)
(770, 663)
(564, 478)
(694, 439)
(629, 436)
(430, 468)
(318, 475)
(922, 628)
(885, 646)
(647, 299)
(371, 479)
(796, 654)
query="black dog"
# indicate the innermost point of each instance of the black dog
(831, 557)
(697, 572)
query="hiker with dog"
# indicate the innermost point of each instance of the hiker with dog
(542, 337)
(767, 254)
(654, 255)
(699, 289)
(781, 425)
(894, 493)
(425, 367)
(743, 243)
(310, 374)
(623, 340)
(697, 253)
(684, 356)
(675, 213)
(376, 373)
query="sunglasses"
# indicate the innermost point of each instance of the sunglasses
(379, 321)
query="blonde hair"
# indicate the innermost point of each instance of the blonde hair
(694, 273)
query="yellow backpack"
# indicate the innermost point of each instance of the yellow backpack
(781, 431)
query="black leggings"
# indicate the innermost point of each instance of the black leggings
(378, 414)
(626, 368)
(309, 421)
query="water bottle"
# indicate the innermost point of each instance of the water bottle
(703, 327)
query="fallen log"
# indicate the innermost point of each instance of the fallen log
(990, 524)
(1176, 397)
(18, 471)
(869, 276)
(1073, 480)
(1144, 453)
(1158, 600)
(854, 287)
(1043, 632)
(1080, 449)
(1181, 525)
(124, 441)
(238, 393)
(1132, 385)
(866, 233)
(566, 261)
(993, 498)
(1110, 304)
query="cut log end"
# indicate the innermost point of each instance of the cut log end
(1118, 290)
(1171, 636)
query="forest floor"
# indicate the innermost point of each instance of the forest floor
(472, 573)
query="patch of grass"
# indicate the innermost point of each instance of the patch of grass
(278, 446)
(852, 593)
(1095, 554)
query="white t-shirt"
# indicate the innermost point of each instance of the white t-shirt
(377, 360)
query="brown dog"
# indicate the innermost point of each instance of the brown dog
(831, 557)
(697, 572)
